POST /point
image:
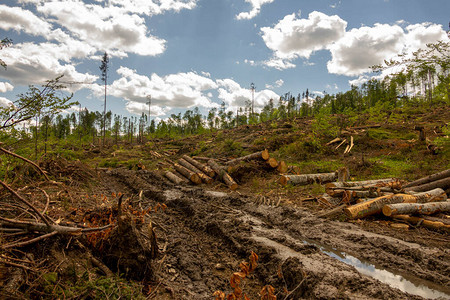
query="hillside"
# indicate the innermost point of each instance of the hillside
(185, 241)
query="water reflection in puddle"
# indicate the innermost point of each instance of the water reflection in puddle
(415, 286)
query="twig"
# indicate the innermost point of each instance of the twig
(44, 219)
(24, 159)
(25, 243)
(291, 292)
(17, 265)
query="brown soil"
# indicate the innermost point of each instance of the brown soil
(190, 249)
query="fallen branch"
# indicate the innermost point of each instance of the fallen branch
(23, 200)
(24, 159)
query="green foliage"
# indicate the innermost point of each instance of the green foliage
(232, 147)
(83, 286)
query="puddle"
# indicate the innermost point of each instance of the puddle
(411, 285)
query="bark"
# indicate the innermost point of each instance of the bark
(391, 183)
(307, 178)
(205, 178)
(202, 167)
(193, 177)
(428, 179)
(173, 178)
(282, 167)
(375, 206)
(332, 212)
(254, 156)
(343, 174)
(423, 222)
(327, 200)
(223, 175)
(441, 183)
(414, 208)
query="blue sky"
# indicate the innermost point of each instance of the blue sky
(188, 53)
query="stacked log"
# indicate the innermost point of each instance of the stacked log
(202, 167)
(192, 176)
(174, 178)
(314, 178)
(254, 156)
(375, 205)
(204, 178)
(416, 208)
(224, 176)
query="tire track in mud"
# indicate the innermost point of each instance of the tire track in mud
(203, 236)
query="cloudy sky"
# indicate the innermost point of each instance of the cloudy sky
(188, 53)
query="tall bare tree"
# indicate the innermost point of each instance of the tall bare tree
(104, 69)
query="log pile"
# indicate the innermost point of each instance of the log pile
(411, 203)
(197, 169)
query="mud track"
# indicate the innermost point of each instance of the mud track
(204, 235)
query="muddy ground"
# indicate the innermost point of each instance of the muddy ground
(204, 234)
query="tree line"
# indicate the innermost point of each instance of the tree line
(423, 79)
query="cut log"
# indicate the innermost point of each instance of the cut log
(328, 201)
(441, 183)
(343, 174)
(185, 180)
(414, 208)
(423, 222)
(332, 212)
(224, 176)
(431, 178)
(202, 167)
(173, 178)
(205, 178)
(282, 167)
(392, 183)
(258, 155)
(295, 170)
(307, 178)
(272, 162)
(375, 206)
(193, 177)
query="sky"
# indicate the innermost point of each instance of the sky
(200, 53)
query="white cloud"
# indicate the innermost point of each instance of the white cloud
(292, 38)
(5, 102)
(18, 19)
(277, 84)
(105, 28)
(236, 96)
(363, 47)
(34, 64)
(256, 8)
(181, 90)
(279, 64)
(5, 87)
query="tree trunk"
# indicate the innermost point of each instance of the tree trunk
(282, 167)
(421, 221)
(272, 162)
(375, 206)
(187, 173)
(223, 175)
(173, 178)
(258, 155)
(205, 178)
(412, 208)
(441, 183)
(366, 184)
(428, 179)
(202, 167)
(307, 178)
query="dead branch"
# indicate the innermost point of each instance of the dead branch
(23, 200)
(28, 242)
(24, 159)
